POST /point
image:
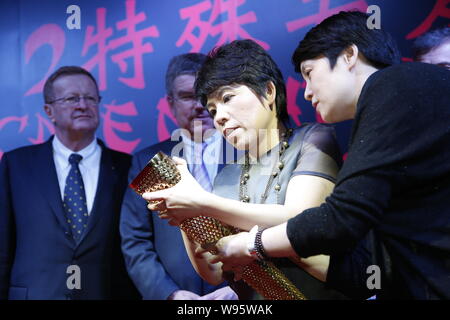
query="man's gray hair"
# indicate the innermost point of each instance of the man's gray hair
(188, 63)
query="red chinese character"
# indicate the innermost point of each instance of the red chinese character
(22, 120)
(440, 9)
(110, 125)
(324, 12)
(138, 49)
(100, 38)
(292, 88)
(229, 30)
(42, 122)
(132, 36)
(47, 34)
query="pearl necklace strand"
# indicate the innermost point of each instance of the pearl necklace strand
(276, 170)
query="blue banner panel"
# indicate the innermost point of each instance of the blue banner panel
(127, 45)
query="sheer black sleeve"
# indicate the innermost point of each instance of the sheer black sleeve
(320, 155)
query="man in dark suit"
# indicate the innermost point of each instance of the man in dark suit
(154, 252)
(60, 203)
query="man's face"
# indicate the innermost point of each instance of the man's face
(186, 108)
(439, 56)
(332, 92)
(74, 118)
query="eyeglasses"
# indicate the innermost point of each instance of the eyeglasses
(74, 100)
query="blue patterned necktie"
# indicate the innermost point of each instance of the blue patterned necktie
(75, 198)
(199, 170)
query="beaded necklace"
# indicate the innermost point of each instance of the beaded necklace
(276, 170)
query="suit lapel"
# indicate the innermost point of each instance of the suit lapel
(45, 170)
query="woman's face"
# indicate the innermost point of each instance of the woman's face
(331, 91)
(241, 116)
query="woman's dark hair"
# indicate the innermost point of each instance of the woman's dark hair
(337, 32)
(241, 62)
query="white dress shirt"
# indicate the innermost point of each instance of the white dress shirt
(211, 155)
(89, 167)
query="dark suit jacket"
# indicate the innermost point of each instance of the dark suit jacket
(36, 246)
(154, 251)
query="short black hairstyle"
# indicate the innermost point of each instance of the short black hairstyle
(429, 41)
(242, 62)
(337, 32)
(64, 71)
(187, 63)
